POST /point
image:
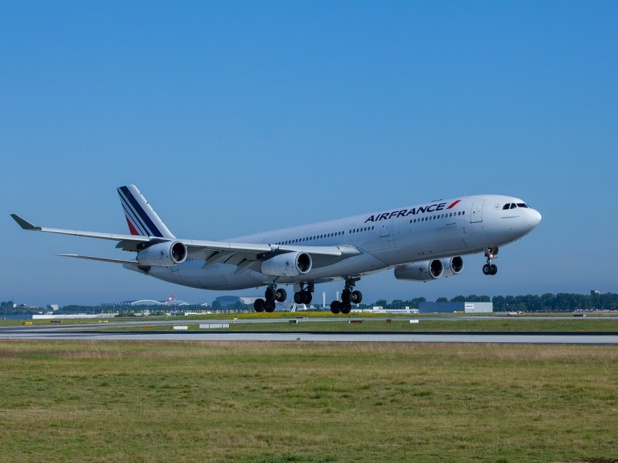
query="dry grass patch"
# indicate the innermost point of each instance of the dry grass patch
(306, 402)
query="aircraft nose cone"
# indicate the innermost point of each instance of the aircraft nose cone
(534, 218)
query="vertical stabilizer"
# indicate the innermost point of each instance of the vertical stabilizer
(141, 218)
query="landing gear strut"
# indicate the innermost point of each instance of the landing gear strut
(489, 268)
(304, 295)
(272, 295)
(348, 297)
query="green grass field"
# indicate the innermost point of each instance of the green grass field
(306, 402)
(447, 323)
(401, 326)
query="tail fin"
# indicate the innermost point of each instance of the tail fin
(141, 218)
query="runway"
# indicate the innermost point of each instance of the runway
(79, 333)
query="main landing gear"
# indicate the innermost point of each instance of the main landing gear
(304, 294)
(272, 295)
(489, 268)
(348, 297)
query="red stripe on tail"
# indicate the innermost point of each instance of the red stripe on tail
(131, 227)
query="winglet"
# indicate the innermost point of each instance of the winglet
(23, 223)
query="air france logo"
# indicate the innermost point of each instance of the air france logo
(413, 211)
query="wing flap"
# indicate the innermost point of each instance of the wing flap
(257, 248)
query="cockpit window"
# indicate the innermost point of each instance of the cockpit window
(513, 206)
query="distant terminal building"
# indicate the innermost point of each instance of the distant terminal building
(454, 307)
(152, 302)
(227, 301)
(172, 301)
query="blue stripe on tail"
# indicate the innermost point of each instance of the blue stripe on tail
(137, 214)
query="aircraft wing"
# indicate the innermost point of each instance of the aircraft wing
(23, 223)
(245, 255)
(100, 259)
(211, 252)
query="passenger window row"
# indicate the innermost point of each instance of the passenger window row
(439, 216)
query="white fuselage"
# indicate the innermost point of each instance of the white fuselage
(385, 239)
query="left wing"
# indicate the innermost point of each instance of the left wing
(211, 252)
(23, 223)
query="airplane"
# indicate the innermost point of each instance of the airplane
(421, 243)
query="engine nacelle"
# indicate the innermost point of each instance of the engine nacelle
(290, 264)
(420, 271)
(163, 254)
(452, 266)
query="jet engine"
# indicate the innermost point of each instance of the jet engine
(420, 271)
(290, 264)
(430, 269)
(452, 266)
(163, 254)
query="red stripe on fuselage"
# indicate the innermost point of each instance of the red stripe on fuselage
(453, 205)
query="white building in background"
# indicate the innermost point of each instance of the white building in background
(456, 307)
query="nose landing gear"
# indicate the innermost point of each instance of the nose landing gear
(489, 268)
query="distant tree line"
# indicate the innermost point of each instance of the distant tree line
(10, 308)
(561, 302)
(533, 303)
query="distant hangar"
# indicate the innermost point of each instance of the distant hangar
(456, 307)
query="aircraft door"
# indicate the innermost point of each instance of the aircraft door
(385, 229)
(477, 211)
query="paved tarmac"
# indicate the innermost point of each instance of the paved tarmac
(81, 332)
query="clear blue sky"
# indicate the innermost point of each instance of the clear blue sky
(234, 117)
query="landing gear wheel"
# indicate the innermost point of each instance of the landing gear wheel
(281, 295)
(490, 269)
(348, 297)
(303, 297)
(269, 306)
(271, 293)
(258, 305)
(335, 307)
